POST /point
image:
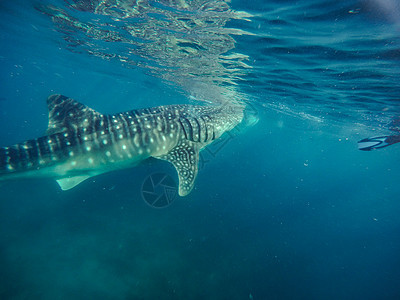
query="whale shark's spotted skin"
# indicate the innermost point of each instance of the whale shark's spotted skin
(81, 142)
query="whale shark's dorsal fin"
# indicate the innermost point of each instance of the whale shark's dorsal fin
(185, 158)
(66, 113)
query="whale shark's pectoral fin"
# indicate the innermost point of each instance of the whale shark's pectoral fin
(71, 182)
(185, 158)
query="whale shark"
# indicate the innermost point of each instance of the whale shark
(81, 142)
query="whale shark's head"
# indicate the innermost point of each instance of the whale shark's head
(250, 117)
(227, 119)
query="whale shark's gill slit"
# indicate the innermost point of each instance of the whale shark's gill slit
(183, 129)
(205, 129)
(189, 129)
(199, 129)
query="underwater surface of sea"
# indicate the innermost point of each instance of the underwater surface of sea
(288, 208)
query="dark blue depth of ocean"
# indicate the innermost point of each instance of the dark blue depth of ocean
(286, 209)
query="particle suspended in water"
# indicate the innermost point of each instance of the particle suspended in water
(354, 11)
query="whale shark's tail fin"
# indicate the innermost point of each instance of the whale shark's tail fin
(378, 142)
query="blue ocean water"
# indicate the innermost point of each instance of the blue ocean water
(286, 209)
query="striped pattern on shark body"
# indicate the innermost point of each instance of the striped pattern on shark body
(32, 154)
